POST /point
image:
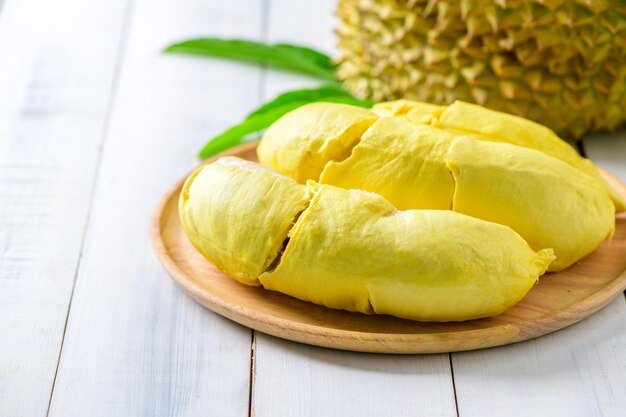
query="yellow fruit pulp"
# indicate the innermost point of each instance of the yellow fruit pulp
(484, 124)
(322, 135)
(242, 232)
(548, 201)
(353, 250)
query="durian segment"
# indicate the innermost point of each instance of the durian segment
(548, 202)
(237, 214)
(353, 250)
(304, 140)
(405, 165)
(466, 118)
(545, 200)
(484, 124)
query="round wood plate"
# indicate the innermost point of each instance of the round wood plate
(559, 300)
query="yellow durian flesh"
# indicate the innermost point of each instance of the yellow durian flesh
(303, 141)
(403, 164)
(237, 214)
(548, 202)
(545, 200)
(417, 111)
(485, 124)
(393, 108)
(353, 250)
(491, 125)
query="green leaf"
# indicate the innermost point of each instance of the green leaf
(291, 57)
(307, 95)
(237, 134)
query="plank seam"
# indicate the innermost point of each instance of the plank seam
(264, 30)
(252, 371)
(126, 23)
(456, 401)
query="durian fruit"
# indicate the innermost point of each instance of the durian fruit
(353, 250)
(548, 202)
(278, 199)
(483, 124)
(327, 133)
(560, 63)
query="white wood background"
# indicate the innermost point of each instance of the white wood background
(94, 125)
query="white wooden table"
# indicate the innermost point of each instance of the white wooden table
(95, 123)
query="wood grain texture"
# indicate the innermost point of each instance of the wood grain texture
(576, 372)
(330, 382)
(136, 345)
(559, 300)
(57, 66)
(323, 382)
(292, 379)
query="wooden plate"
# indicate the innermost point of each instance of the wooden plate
(559, 300)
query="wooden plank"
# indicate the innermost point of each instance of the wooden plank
(298, 380)
(578, 371)
(136, 344)
(322, 382)
(57, 66)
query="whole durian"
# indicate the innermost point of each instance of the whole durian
(561, 63)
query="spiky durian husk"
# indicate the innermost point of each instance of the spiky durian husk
(561, 63)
